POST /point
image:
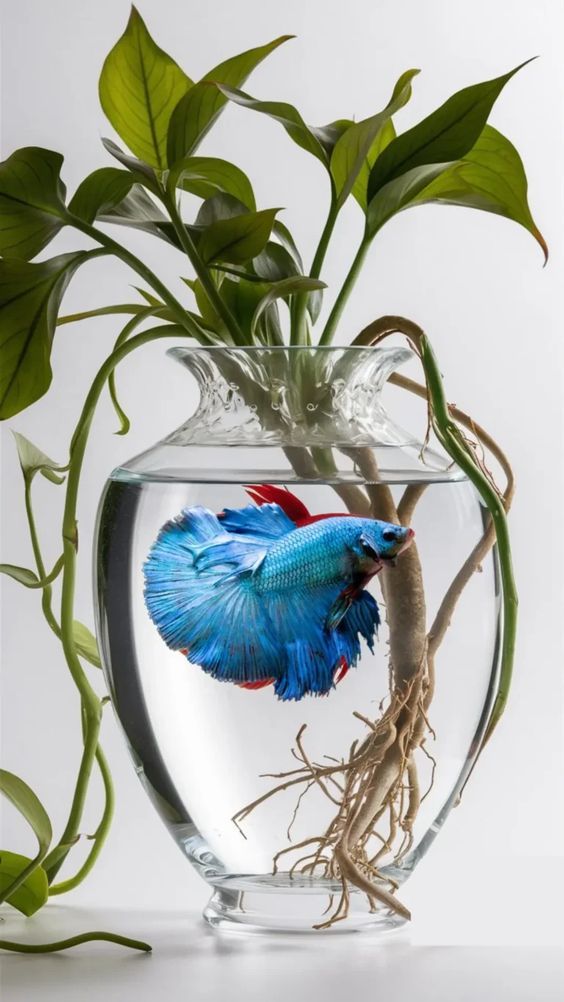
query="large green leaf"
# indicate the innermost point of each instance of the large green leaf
(242, 298)
(30, 296)
(238, 239)
(197, 111)
(102, 191)
(490, 177)
(30, 807)
(443, 137)
(33, 460)
(32, 892)
(352, 149)
(289, 117)
(140, 86)
(32, 201)
(207, 176)
(282, 290)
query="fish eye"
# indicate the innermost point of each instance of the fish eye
(389, 535)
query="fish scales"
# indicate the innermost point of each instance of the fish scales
(312, 555)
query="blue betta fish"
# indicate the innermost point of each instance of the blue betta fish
(256, 597)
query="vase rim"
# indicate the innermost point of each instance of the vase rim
(183, 351)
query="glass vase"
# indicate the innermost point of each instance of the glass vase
(303, 778)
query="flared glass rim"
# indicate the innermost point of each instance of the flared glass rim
(185, 351)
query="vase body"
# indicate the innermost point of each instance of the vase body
(311, 421)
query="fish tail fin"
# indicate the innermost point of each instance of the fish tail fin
(200, 596)
(307, 671)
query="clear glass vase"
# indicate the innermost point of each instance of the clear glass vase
(303, 778)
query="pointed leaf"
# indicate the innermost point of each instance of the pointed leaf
(101, 192)
(132, 163)
(33, 460)
(206, 176)
(288, 116)
(85, 643)
(490, 177)
(31, 893)
(218, 207)
(444, 136)
(238, 239)
(28, 578)
(20, 574)
(197, 111)
(353, 147)
(140, 86)
(138, 211)
(287, 287)
(32, 201)
(30, 296)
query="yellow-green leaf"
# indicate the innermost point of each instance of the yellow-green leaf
(32, 892)
(32, 201)
(85, 643)
(140, 86)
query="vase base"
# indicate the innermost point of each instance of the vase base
(256, 910)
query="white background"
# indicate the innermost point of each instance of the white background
(476, 283)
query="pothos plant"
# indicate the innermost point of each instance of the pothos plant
(245, 269)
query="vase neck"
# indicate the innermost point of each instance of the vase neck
(291, 397)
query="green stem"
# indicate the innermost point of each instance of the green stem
(299, 333)
(202, 271)
(100, 834)
(66, 944)
(91, 704)
(342, 298)
(47, 591)
(181, 315)
(453, 441)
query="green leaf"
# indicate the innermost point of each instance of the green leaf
(28, 804)
(28, 578)
(288, 116)
(197, 111)
(221, 206)
(352, 149)
(448, 134)
(32, 893)
(242, 299)
(101, 192)
(32, 201)
(275, 263)
(85, 643)
(207, 176)
(17, 872)
(33, 460)
(281, 290)
(30, 296)
(383, 139)
(140, 86)
(138, 211)
(132, 163)
(490, 177)
(238, 239)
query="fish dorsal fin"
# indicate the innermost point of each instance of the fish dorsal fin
(265, 523)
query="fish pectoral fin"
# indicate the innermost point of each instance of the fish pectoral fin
(244, 554)
(340, 607)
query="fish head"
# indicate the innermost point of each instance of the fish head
(379, 543)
